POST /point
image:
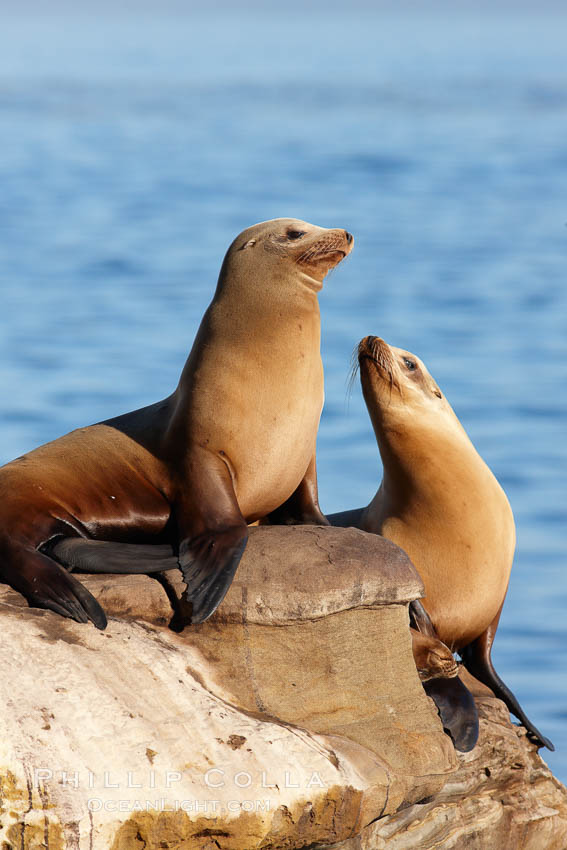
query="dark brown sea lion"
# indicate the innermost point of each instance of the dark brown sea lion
(441, 503)
(234, 442)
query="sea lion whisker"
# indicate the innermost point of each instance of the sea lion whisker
(306, 256)
(321, 249)
(385, 364)
(303, 257)
(352, 372)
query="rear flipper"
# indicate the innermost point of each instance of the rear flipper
(208, 563)
(476, 658)
(457, 710)
(103, 556)
(47, 585)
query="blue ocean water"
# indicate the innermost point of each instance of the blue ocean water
(135, 145)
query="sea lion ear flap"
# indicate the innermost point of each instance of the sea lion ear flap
(249, 244)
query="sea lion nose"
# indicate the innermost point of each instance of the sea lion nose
(365, 345)
(348, 236)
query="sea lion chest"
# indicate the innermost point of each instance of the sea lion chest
(259, 408)
(283, 444)
(458, 528)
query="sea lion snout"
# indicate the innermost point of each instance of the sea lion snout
(333, 241)
(366, 345)
(324, 250)
(377, 366)
(374, 348)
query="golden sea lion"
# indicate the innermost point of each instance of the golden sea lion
(441, 503)
(234, 442)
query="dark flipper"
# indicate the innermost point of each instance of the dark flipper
(208, 563)
(420, 619)
(454, 701)
(212, 534)
(102, 556)
(347, 519)
(47, 585)
(211, 530)
(476, 658)
(457, 710)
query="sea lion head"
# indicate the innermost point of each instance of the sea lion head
(284, 251)
(395, 382)
(433, 659)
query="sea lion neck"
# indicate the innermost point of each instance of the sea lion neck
(281, 288)
(311, 284)
(420, 460)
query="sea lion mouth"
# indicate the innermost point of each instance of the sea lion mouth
(335, 252)
(337, 244)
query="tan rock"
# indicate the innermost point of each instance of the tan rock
(293, 717)
(503, 797)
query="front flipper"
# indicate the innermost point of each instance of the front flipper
(208, 563)
(47, 585)
(477, 659)
(457, 710)
(103, 556)
(212, 532)
(302, 507)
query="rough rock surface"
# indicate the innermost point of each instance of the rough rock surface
(294, 718)
(503, 797)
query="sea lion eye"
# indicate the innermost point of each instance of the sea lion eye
(295, 234)
(410, 364)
